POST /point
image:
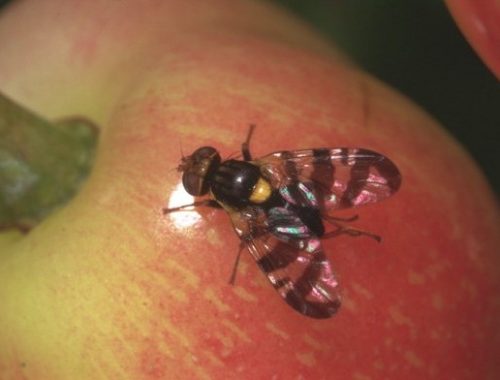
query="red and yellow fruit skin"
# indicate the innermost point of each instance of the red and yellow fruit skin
(110, 288)
(479, 21)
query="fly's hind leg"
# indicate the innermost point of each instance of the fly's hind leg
(245, 147)
(232, 279)
(344, 229)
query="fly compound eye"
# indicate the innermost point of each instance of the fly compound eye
(193, 183)
(199, 169)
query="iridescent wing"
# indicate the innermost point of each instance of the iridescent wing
(338, 178)
(292, 258)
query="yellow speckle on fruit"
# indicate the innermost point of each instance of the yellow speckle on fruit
(306, 358)
(189, 277)
(314, 343)
(469, 287)
(199, 371)
(212, 358)
(239, 333)
(173, 330)
(213, 237)
(176, 292)
(243, 294)
(437, 301)
(360, 376)
(434, 334)
(276, 331)
(362, 290)
(349, 304)
(226, 341)
(378, 364)
(179, 295)
(413, 359)
(401, 319)
(415, 278)
(473, 252)
(398, 317)
(165, 349)
(214, 299)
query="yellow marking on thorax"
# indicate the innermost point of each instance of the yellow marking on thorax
(261, 192)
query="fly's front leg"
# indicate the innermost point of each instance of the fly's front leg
(245, 147)
(206, 202)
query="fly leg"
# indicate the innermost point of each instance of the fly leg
(245, 147)
(333, 219)
(205, 202)
(236, 263)
(343, 229)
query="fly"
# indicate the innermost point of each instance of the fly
(279, 203)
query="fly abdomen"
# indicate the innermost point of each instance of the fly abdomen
(311, 217)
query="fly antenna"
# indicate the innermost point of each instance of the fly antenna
(180, 147)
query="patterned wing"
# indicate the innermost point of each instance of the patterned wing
(291, 257)
(338, 178)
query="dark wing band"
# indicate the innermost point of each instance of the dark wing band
(339, 178)
(292, 258)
